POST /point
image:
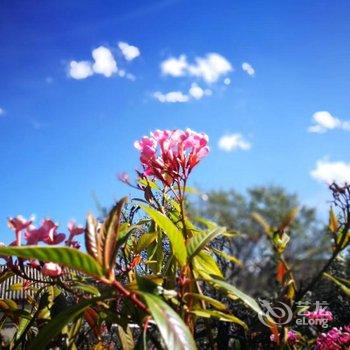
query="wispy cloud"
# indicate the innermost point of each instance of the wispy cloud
(324, 121)
(2, 111)
(328, 172)
(194, 92)
(129, 52)
(248, 68)
(233, 142)
(171, 97)
(209, 68)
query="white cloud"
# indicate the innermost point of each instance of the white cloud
(80, 70)
(104, 61)
(324, 121)
(233, 142)
(129, 52)
(209, 68)
(248, 68)
(171, 97)
(197, 92)
(2, 111)
(194, 92)
(175, 67)
(328, 172)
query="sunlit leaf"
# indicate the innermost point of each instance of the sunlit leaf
(145, 240)
(173, 330)
(126, 338)
(200, 239)
(69, 257)
(231, 290)
(227, 257)
(174, 234)
(216, 303)
(109, 231)
(288, 219)
(343, 284)
(91, 242)
(219, 315)
(333, 221)
(205, 264)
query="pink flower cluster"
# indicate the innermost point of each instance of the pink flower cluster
(46, 233)
(170, 155)
(321, 314)
(335, 339)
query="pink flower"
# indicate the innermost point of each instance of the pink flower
(292, 337)
(171, 155)
(74, 229)
(46, 233)
(18, 224)
(335, 339)
(51, 269)
(320, 314)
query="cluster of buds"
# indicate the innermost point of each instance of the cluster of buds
(335, 339)
(170, 155)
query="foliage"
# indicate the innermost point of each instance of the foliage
(155, 276)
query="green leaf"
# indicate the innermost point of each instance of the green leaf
(227, 257)
(219, 315)
(54, 327)
(88, 288)
(174, 234)
(205, 265)
(126, 338)
(216, 303)
(231, 290)
(69, 257)
(200, 239)
(173, 330)
(342, 283)
(145, 240)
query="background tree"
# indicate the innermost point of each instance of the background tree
(251, 246)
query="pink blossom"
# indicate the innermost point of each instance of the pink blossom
(335, 339)
(18, 224)
(320, 314)
(292, 337)
(171, 155)
(51, 269)
(46, 233)
(75, 229)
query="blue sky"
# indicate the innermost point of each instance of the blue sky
(64, 138)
